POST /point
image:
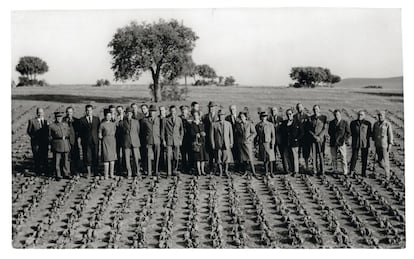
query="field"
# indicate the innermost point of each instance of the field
(208, 212)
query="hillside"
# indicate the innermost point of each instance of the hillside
(386, 83)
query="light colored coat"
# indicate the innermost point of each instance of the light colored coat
(265, 133)
(220, 136)
(174, 131)
(382, 134)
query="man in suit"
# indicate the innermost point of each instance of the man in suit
(302, 118)
(186, 159)
(73, 123)
(38, 130)
(163, 150)
(151, 132)
(384, 139)
(120, 163)
(221, 134)
(143, 148)
(245, 133)
(129, 129)
(59, 135)
(195, 107)
(208, 120)
(266, 140)
(339, 133)
(232, 118)
(277, 120)
(174, 133)
(88, 132)
(292, 134)
(136, 114)
(315, 131)
(361, 134)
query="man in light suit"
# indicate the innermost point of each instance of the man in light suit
(151, 136)
(174, 133)
(266, 140)
(59, 135)
(221, 134)
(88, 132)
(245, 134)
(38, 130)
(208, 120)
(339, 132)
(384, 139)
(232, 118)
(361, 134)
(129, 130)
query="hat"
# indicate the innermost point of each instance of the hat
(221, 112)
(262, 114)
(129, 109)
(106, 111)
(182, 107)
(211, 104)
(152, 108)
(58, 114)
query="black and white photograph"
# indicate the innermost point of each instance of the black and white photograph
(207, 128)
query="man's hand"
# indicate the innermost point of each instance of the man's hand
(203, 134)
(198, 135)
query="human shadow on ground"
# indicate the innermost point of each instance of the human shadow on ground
(68, 98)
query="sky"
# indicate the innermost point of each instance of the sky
(256, 46)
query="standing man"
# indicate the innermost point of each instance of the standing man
(339, 133)
(315, 130)
(151, 132)
(302, 118)
(208, 120)
(292, 134)
(277, 120)
(222, 142)
(232, 118)
(163, 149)
(129, 129)
(88, 132)
(361, 134)
(245, 134)
(384, 139)
(266, 140)
(136, 114)
(38, 130)
(59, 135)
(174, 133)
(186, 160)
(73, 124)
(195, 107)
(120, 162)
(143, 148)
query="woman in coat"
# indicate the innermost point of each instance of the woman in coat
(198, 138)
(107, 131)
(266, 140)
(244, 138)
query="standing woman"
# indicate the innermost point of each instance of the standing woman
(244, 136)
(107, 131)
(198, 137)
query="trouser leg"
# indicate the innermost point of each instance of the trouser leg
(287, 157)
(169, 160)
(342, 158)
(150, 155)
(320, 155)
(136, 154)
(36, 160)
(354, 158)
(66, 164)
(295, 156)
(364, 160)
(157, 151)
(283, 158)
(56, 158)
(128, 161)
(315, 157)
(334, 158)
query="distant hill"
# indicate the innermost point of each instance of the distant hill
(386, 83)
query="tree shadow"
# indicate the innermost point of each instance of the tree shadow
(68, 98)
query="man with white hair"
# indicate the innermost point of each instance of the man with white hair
(384, 139)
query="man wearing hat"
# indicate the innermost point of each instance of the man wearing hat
(208, 120)
(221, 134)
(277, 120)
(232, 118)
(384, 139)
(129, 131)
(186, 160)
(88, 132)
(59, 134)
(174, 133)
(151, 137)
(266, 140)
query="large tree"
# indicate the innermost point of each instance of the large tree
(205, 71)
(312, 76)
(161, 47)
(29, 67)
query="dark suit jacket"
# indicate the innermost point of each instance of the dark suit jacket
(338, 133)
(88, 132)
(208, 121)
(291, 135)
(151, 131)
(276, 121)
(315, 127)
(73, 128)
(361, 133)
(174, 132)
(130, 133)
(39, 135)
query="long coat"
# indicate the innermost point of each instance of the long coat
(129, 131)
(382, 134)
(151, 131)
(59, 134)
(208, 120)
(361, 133)
(221, 136)
(244, 136)
(338, 133)
(88, 132)
(291, 135)
(266, 140)
(276, 121)
(174, 131)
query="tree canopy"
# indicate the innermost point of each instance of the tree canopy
(161, 47)
(206, 71)
(30, 67)
(313, 76)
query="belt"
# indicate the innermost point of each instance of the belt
(60, 138)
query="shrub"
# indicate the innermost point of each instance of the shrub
(25, 81)
(102, 82)
(373, 86)
(228, 81)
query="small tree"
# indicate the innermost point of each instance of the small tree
(30, 67)
(228, 81)
(162, 48)
(189, 70)
(220, 80)
(312, 76)
(102, 82)
(206, 72)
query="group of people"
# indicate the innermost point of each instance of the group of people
(146, 139)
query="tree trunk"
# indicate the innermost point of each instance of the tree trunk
(156, 78)
(157, 91)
